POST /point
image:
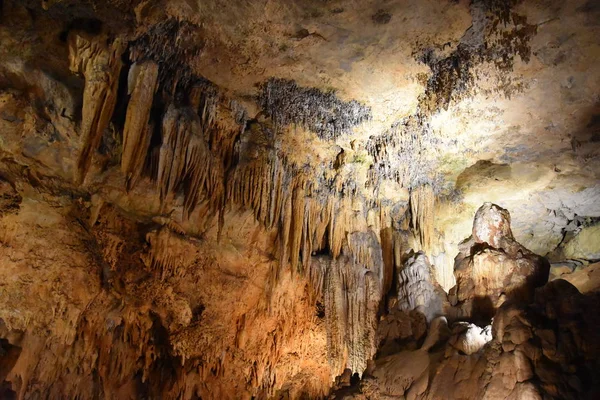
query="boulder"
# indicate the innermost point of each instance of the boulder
(585, 245)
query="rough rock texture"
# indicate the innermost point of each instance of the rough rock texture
(217, 199)
(584, 245)
(545, 349)
(492, 267)
(416, 291)
(537, 352)
(585, 279)
(117, 314)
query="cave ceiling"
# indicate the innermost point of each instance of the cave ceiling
(505, 81)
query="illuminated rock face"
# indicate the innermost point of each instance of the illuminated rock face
(492, 267)
(521, 354)
(417, 289)
(216, 200)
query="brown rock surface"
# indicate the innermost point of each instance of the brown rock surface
(585, 279)
(547, 349)
(215, 199)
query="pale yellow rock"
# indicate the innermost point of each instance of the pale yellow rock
(585, 245)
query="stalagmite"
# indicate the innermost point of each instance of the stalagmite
(137, 131)
(100, 64)
(492, 267)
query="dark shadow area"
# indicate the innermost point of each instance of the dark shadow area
(483, 311)
(92, 26)
(9, 355)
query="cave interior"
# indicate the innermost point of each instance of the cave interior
(300, 199)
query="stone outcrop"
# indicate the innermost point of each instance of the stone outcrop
(545, 349)
(541, 344)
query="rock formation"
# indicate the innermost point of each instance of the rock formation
(100, 65)
(416, 290)
(542, 345)
(492, 267)
(264, 199)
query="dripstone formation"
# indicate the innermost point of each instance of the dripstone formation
(270, 199)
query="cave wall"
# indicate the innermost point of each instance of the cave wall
(213, 200)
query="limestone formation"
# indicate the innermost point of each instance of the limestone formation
(416, 289)
(138, 130)
(546, 349)
(100, 64)
(262, 200)
(493, 267)
(469, 338)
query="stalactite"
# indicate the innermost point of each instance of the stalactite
(137, 131)
(421, 207)
(184, 159)
(352, 293)
(100, 64)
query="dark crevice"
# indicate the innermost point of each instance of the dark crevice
(92, 26)
(120, 112)
(9, 354)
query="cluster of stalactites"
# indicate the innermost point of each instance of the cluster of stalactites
(100, 64)
(185, 160)
(279, 200)
(200, 157)
(308, 220)
(194, 150)
(351, 295)
(361, 245)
